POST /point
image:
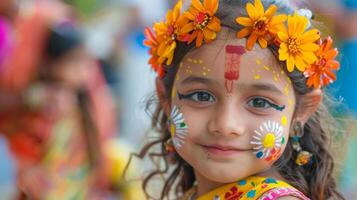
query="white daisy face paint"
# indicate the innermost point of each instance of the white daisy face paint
(178, 127)
(268, 141)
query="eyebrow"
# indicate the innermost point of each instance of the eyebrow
(198, 79)
(264, 86)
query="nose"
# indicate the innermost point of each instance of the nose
(227, 120)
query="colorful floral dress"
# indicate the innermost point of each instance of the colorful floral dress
(253, 188)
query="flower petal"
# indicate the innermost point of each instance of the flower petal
(330, 74)
(301, 25)
(245, 21)
(283, 36)
(308, 57)
(333, 64)
(331, 54)
(177, 10)
(310, 36)
(251, 41)
(215, 24)
(208, 34)
(300, 64)
(252, 13)
(193, 36)
(189, 15)
(283, 55)
(278, 19)
(271, 11)
(198, 5)
(309, 47)
(187, 28)
(199, 38)
(290, 63)
(259, 7)
(263, 43)
(243, 33)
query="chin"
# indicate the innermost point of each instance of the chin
(227, 174)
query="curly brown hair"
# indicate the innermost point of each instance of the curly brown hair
(315, 180)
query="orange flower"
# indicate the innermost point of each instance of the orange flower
(152, 43)
(200, 20)
(260, 25)
(298, 47)
(167, 32)
(320, 74)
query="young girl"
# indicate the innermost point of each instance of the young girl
(240, 102)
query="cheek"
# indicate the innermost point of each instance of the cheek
(269, 139)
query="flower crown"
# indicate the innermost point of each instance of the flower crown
(300, 47)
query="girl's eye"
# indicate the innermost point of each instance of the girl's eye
(262, 103)
(259, 103)
(198, 96)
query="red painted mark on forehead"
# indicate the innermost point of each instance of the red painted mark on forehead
(233, 49)
(232, 64)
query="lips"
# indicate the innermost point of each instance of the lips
(223, 150)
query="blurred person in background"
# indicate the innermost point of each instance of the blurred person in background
(8, 11)
(57, 114)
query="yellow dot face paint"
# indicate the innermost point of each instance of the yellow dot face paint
(205, 71)
(258, 61)
(284, 120)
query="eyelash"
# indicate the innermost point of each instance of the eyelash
(193, 96)
(267, 103)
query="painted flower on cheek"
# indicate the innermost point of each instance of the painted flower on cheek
(178, 127)
(268, 140)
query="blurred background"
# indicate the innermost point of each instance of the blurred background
(74, 82)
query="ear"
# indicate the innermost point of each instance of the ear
(306, 105)
(164, 99)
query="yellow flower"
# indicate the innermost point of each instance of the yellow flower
(298, 47)
(260, 25)
(200, 20)
(167, 33)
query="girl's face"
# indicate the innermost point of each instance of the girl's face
(231, 110)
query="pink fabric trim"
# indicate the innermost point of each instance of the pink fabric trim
(282, 192)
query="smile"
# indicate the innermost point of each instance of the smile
(223, 150)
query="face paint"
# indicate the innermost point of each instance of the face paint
(188, 69)
(286, 89)
(178, 127)
(258, 62)
(290, 103)
(233, 54)
(276, 107)
(284, 120)
(268, 140)
(256, 75)
(205, 71)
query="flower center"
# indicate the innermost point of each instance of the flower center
(293, 45)
(269, 140)
(202, 20)
(261, 25)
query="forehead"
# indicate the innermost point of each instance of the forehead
(211, 60)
